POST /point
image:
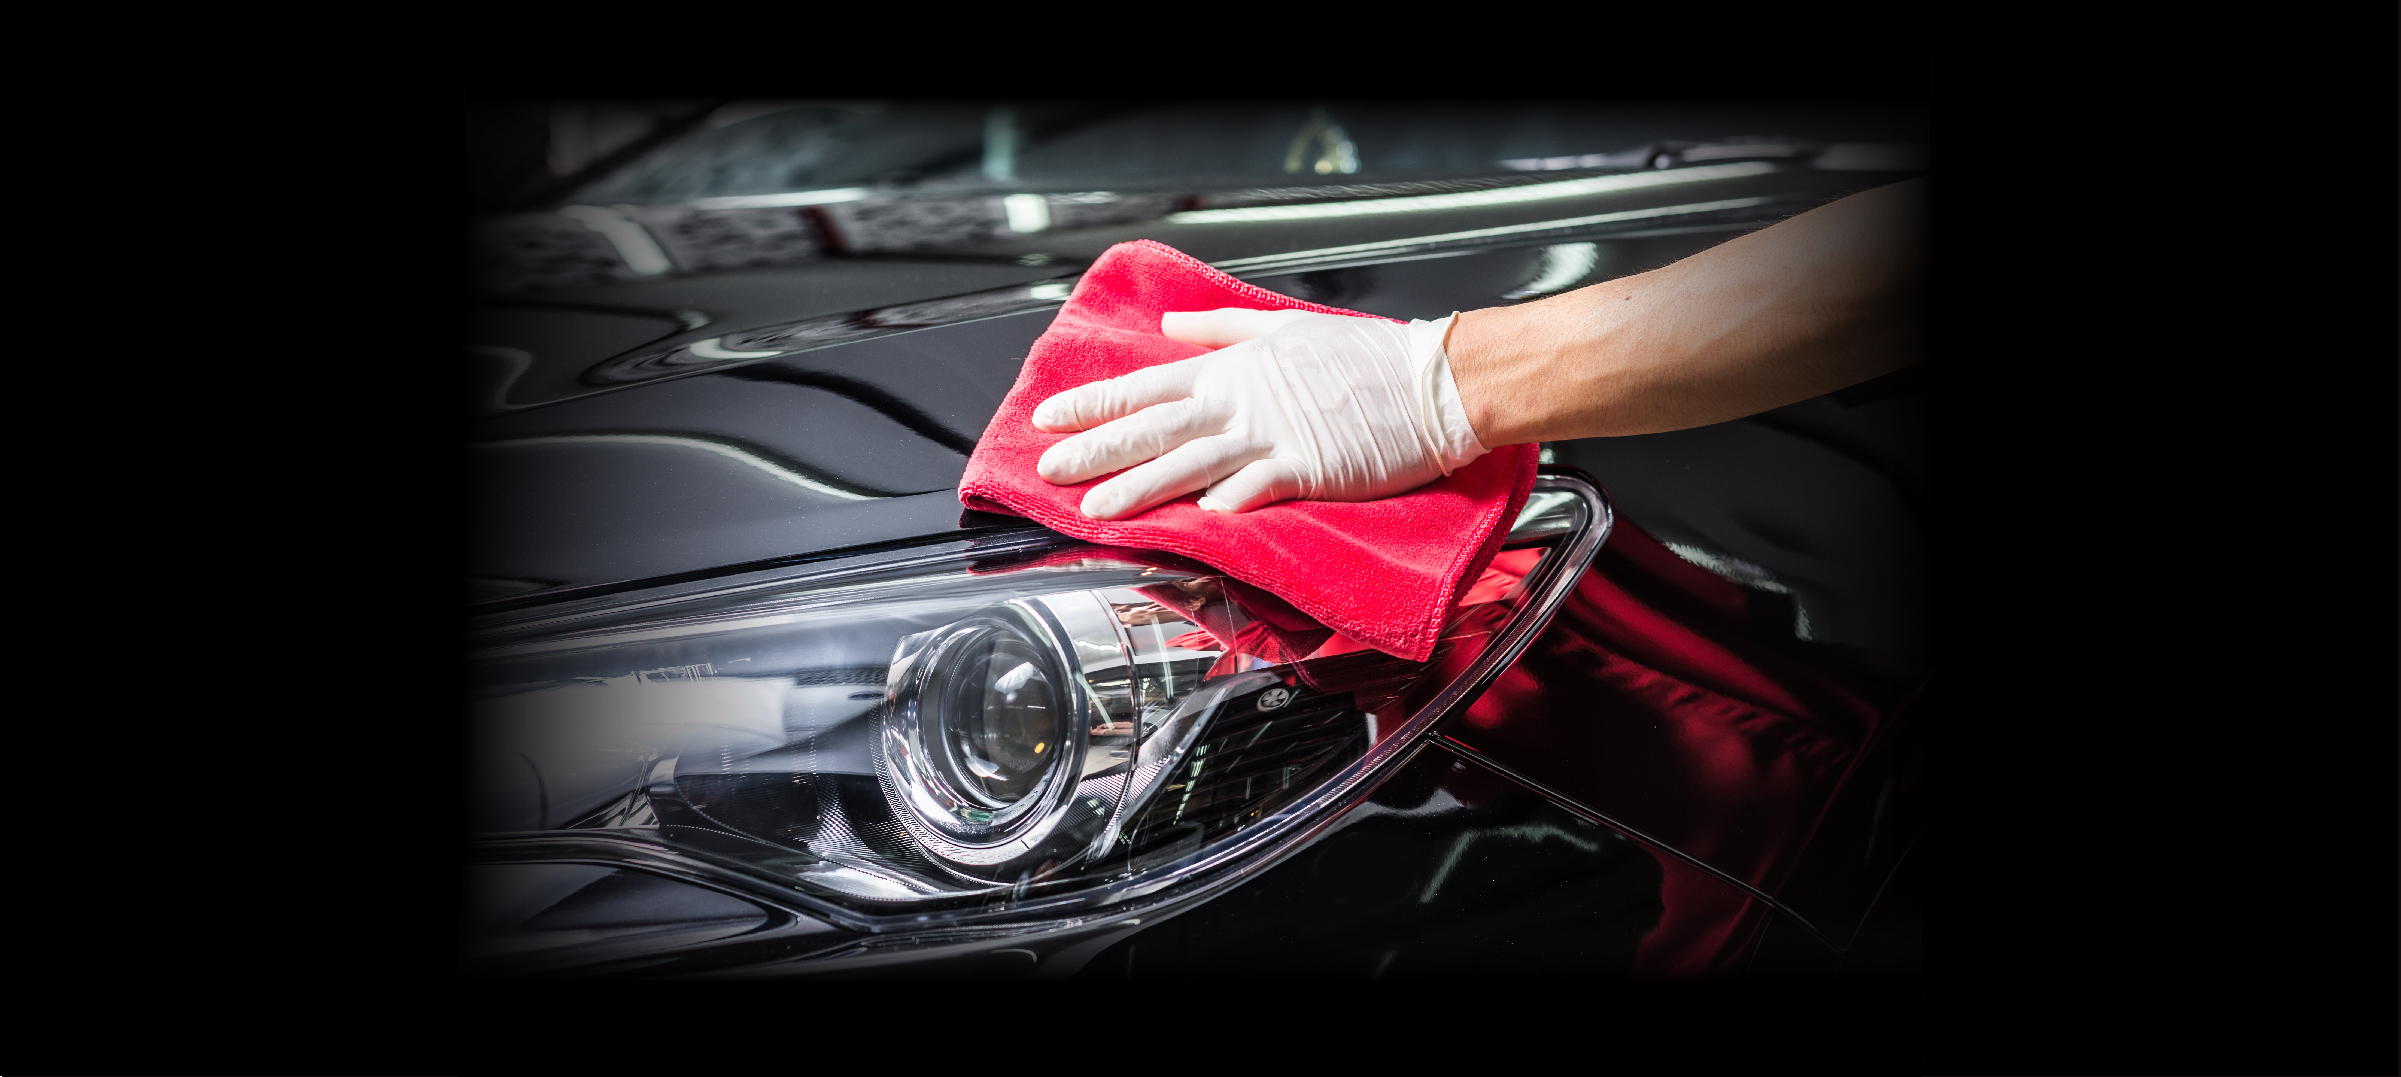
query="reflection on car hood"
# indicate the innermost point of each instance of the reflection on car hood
(544, 345)
(629, 431)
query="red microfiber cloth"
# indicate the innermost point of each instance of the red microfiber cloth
(1385, 573)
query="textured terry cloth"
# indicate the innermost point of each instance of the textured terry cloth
(1385, 573)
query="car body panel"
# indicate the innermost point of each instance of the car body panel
(1712, 755)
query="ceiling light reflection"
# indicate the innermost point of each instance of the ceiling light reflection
(1265, 262)
(767, 467)
(641, 253)
(788, 198)
(712, 349)
(1534, 192)
(1027, 212)
(1563, 265)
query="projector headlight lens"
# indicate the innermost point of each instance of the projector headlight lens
(1009, 739)
(948, 736)
(998, 715)
(981, 727)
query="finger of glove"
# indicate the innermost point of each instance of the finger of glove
(1260, 482)
(1122, 443)
(1089, 405)
(1192, 466)
(1228, 325)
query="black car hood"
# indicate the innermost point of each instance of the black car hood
(618, 445)
(849, 445)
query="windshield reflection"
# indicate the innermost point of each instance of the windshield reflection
(747, 185)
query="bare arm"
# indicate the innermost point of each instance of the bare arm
(1293, 404)
(1824, 300)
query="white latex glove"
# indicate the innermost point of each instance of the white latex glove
(1292, 404)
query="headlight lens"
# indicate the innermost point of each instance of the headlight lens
(965, 733)
(993, 710)
(985, 731)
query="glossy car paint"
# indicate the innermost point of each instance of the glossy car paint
(1601, 809)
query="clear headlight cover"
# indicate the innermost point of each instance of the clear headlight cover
(1017, 728)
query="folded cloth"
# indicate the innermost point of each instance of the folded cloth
(1385, 573)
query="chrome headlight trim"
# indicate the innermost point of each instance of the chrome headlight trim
(1554, 582)
(1581, 522)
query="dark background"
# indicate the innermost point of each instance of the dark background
(2166, 594)
(2168, 838)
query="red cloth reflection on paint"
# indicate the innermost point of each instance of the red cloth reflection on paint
(1253, 627)
(1651, 699)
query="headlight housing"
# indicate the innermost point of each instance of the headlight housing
(994, 733)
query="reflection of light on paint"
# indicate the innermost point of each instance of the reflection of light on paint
(1505, 196)
(1050, 290)
(514, 363)
(1000, 146)
(710, 349)
(1530, 833)
(1629, 159)
(1744, 573)
(788, 198)
(769, 467)
(1336, 151)
(641, 253)
(1729, 567)
(1027, 212)
(1246, 265)
(1563, 264)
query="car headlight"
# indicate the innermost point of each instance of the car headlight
(987, 732)
(1008, 730)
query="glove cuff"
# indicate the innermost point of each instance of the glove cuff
(1441, 414)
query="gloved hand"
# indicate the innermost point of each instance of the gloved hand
(1292, 404)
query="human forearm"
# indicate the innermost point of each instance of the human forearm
(1812, 304)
